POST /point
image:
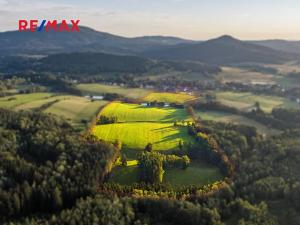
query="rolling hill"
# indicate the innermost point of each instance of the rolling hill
(45, 43)
(281, 45)
(77, 63)
(222, 50)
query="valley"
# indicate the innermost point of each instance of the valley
(139, 128)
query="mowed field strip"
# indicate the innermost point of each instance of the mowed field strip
(99, 89)
(39, 103)
(169, 97)
(138, 113)
(245, 101)
(14, 101)
(76, 109)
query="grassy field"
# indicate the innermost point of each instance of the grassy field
(163, 136)
(76, 109)
(236, 119)
(230, 74)
(137, 113)
(198, 173)
(39, 103)
(99, 89)
(124, 175)
(169, 97)
(15, 101)
(139, 125)
(245, 101)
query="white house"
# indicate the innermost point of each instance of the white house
(97, 97)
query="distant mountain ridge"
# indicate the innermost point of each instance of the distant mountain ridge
(44, 43)
(281, 45)
(222, 50)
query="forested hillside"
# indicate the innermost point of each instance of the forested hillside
(49, 170)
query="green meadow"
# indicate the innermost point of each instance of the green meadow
(138, 113)
(163, 136)
(198, 173)
(14, 101)
(99, 89)
(245, 101)
(139, 125)
(76, 109)
(224, 117)
(169, 97)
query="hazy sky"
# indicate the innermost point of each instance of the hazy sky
(194, 19)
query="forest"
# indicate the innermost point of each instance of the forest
(47, 169)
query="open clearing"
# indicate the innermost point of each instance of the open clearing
(139, 125)
(163, 136)
(76, 109)
(39, 103)
(14, 101)
(224, 117)
(99, 89)
(198, 173)
(169, 97)
(125, 175)
(231, 74)
(138, 113)
(245, 101)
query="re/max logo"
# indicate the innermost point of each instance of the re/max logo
(33, 25)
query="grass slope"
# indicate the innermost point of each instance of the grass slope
(124, 175)
(38, 103)
(224, 117)
(163, 136)
(20, 99)
(198, 173)
(99, 89)
(137, 113)
(76, 109)
(169, 97)
(246, 100)
(230, 74)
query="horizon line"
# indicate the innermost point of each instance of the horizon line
(174, 36)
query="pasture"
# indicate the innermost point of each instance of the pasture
(138, 113)
(99, 89)
(245, 101)
(231, 74)
(14, 101)
(163, 136)
(198, 173)
(139, 125)
(124, 175)
(169, 97)
(224, 117)
(39, 103)
(76, 109)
